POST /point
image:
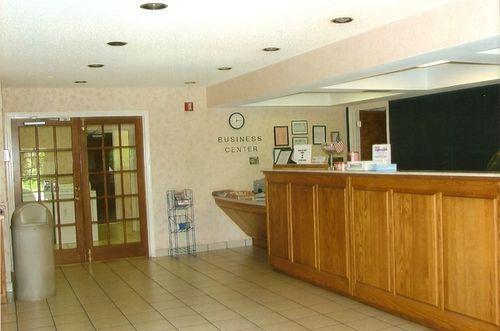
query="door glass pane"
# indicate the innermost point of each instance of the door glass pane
(64, 162)
(29, 164)
(100, 234)
(68, 237)
(67, 212)
(131, 207)
(133, 231)
(94, 160)
(111, 136)
(129, 183)
(46, 137)
(53, 210)
(97, 185)
(63, 136)
(115, 209)
(29, 189)
(47, 163)
(97, 210)
(116, 233)
(94, 136)
(27, 139)
(66, 187)
(47, 188)
(128, 134)
(113, 162)
(57, 241)
(114, 183)
(129, 158)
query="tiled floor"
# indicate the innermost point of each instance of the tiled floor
(232, 289)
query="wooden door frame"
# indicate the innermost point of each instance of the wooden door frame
(68, 255)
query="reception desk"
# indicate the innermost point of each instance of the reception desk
(424, 245)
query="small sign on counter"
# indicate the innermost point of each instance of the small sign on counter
(381, 153)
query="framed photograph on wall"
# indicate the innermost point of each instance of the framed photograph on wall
(300, 141)
(319, 134)
(281, 136)
(299, 127)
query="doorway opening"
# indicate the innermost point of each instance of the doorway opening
(89, 172)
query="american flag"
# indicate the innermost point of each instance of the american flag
(338, 145)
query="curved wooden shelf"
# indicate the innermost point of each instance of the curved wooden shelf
(249, 215)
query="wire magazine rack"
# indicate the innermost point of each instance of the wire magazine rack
(181, 227)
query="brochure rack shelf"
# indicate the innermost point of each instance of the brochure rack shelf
(181, 226)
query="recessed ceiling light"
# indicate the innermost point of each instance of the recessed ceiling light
(342, 20)
(190, 83)
(95, 65)
(434, 63)
(224, 68)
(80, 82)
(117, 43)
(494, 51)
(271, 49)
(154, 6)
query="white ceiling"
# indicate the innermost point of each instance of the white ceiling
(50, 42)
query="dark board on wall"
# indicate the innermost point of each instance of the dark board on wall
(457, 130)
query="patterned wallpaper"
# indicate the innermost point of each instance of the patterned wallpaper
(184, 147)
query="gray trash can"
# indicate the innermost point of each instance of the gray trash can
(33, 246)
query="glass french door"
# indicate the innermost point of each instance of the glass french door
(89, 174)
(114, 187)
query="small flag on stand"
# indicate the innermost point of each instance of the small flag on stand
(338, 145)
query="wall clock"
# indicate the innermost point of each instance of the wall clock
(236, 120)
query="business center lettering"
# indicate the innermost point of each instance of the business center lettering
(249, 147)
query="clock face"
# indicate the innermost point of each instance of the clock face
(236, 120)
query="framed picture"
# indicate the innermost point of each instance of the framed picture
(276, 153)
(284, 156)
(334, 135)
(300, 141)
(299, 127)
(319, 134)
(281, 136)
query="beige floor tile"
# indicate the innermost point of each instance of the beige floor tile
(31, 305)
(198, 300)
(346, 316)
(189, 320)
(69, 309)
(71, 318)
(296, 313)
(76, 327)
(36, 323)
(338, 327)
(266, 319)
(12, 326)
(280, 305)
(284, 326)
(370, 311)
(175, 303)
(392, 319)
(8, 317)
(144, 317)
(201, 327)
(413, 327)
(176, 312)
(117, 328)
(207, 307)
(220, 315)
(234, 324)
(327, 307)
(159, 325)
(369, 324)
(110, 322)
(316, 322)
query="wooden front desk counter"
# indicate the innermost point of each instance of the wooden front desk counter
(422, 245)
